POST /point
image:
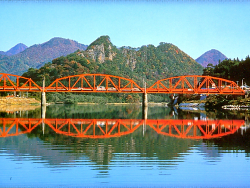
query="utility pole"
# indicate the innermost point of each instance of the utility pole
(242, 82)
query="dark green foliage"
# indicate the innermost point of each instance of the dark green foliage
(187, 97)
(215, 101)
(234, 70)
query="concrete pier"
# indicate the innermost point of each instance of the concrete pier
(145, 96)
(145, 100)
(43, 96)
(43, 116)
(43, 99)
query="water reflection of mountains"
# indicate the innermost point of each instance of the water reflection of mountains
(145, 141)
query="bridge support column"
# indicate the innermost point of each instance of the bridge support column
(145, 100)
(145, 103)
(43, 115)
(43, 106)
(145, 117)
(43, 96)
(43, 99)
(145, 96)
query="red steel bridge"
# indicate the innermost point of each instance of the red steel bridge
(108, 128)
(103, 83)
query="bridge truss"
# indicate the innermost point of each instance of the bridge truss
(94, 83)
(195, 84)
(103, 83)
(10, 82)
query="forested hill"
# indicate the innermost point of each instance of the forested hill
(148, 62)
(37, 55)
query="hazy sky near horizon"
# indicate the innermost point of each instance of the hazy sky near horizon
(194, 26)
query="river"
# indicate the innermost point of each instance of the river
(117, 146)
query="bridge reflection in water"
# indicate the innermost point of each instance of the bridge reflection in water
(107, 128)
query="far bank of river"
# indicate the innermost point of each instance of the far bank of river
(17, 103)
(218, 102)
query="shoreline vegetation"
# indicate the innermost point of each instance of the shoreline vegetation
(213, 101)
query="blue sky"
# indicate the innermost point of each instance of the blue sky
(194, 26)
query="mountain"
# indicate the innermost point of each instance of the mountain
(37, 55)
(16, 49)
(2, 53)
(147, 62)
(211, 57)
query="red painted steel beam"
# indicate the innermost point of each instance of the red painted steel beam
(196, 84)
(104, 83)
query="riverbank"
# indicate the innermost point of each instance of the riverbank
(218, 102)
(18, 101)
(13, 104)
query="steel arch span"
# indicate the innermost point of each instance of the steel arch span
(10, 82)
(196, 84)
(94, 83)
(104, 83)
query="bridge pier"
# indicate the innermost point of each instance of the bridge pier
(144, 112)
(145, 117)
(43, 99)
(43, 96)
(145, 96)
(43, 116)
(145, 102)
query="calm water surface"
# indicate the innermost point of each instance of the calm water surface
(112, 146)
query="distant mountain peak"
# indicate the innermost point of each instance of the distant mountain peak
(212, 56)
(37, 55)
(16, 49)
(58, 41)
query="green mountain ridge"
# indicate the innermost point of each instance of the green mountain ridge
(148, 62)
